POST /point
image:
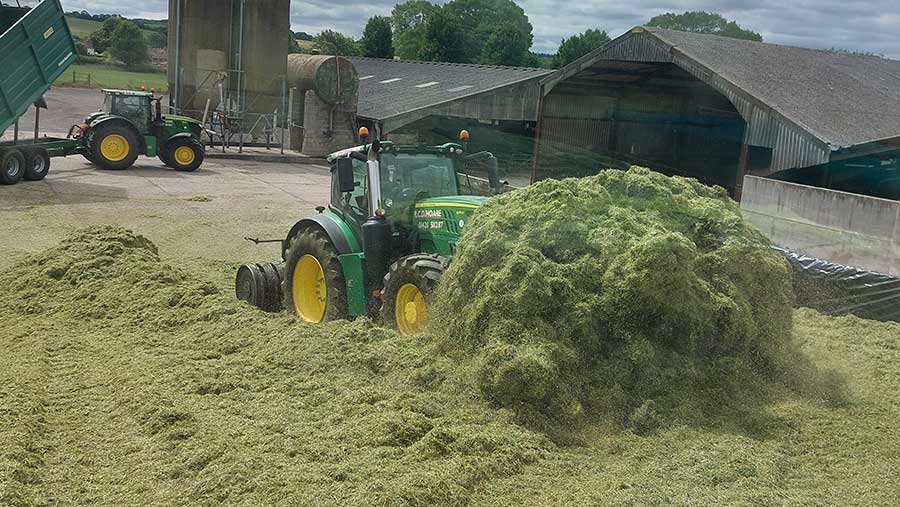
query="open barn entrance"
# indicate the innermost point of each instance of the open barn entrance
(618, 113)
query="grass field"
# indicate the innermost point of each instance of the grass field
(83, 28)
(128, 381)
(107, 76)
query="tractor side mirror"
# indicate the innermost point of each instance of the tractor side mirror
(158, 109)
(345, 174)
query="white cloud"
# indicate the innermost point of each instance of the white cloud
(851, 24)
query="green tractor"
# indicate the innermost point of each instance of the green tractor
(381, 246)
(128, 125)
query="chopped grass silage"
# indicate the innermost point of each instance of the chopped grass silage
(127, 381)
(630, 296)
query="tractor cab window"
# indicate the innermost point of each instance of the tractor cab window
(355, 202)
(107, 104)
(134, 108)
(409, 177)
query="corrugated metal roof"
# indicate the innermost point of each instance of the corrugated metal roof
(844, 100)
(802, 102)
(389, 88)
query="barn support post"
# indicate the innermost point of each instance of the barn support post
(743, 161)
(537, 136)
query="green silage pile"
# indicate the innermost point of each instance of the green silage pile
(640, 298)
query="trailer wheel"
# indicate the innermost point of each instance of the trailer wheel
(12, 166)
(37, 164)
(184, 154)
(114, 146)
(409, 288)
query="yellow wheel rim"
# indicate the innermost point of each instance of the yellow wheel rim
(409, 310)
(308, 289)
(114, 147)
(184, 155)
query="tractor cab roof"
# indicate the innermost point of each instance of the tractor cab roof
(448, 149)
(131, 93)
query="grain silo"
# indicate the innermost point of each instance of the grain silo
(232, 52)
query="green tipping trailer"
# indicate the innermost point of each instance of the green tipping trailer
(36, 47)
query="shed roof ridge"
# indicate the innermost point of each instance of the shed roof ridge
(454, 64)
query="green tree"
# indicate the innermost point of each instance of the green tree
(377, 40)
(843, 51)
(330, 42)
(156, 40)
(292, 43)
(507, 45)
(102, 38)
(579, 45)
(481, 19)
(128, 46)
(444, 38)
(703, 22)
(408, 21)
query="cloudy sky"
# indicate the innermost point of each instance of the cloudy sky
(859, 25)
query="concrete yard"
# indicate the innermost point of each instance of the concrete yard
(65, 107)
(245, 198)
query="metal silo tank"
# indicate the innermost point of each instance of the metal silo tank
(199, 47)
(261, 34)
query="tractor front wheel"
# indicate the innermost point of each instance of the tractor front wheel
(114, 146)
(183, 155)
(163, 156)
(314, 288)
(409, 289)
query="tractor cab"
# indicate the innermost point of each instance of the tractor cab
(408, 177)
(136, 107)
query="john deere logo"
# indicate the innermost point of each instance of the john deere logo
(48, 33)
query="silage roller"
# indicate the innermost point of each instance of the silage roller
(260, 285)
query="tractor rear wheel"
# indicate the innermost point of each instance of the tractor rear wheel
(184, 154)
(314, 288)
(37, 164)
(114, 146)
(12, 166)
(409, 289)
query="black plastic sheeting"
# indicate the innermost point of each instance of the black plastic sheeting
(835, 289)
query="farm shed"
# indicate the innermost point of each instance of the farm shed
(394, 93)
(414, 102)
(717, 109)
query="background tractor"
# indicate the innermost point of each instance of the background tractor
(129, 125)
(382, 244)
